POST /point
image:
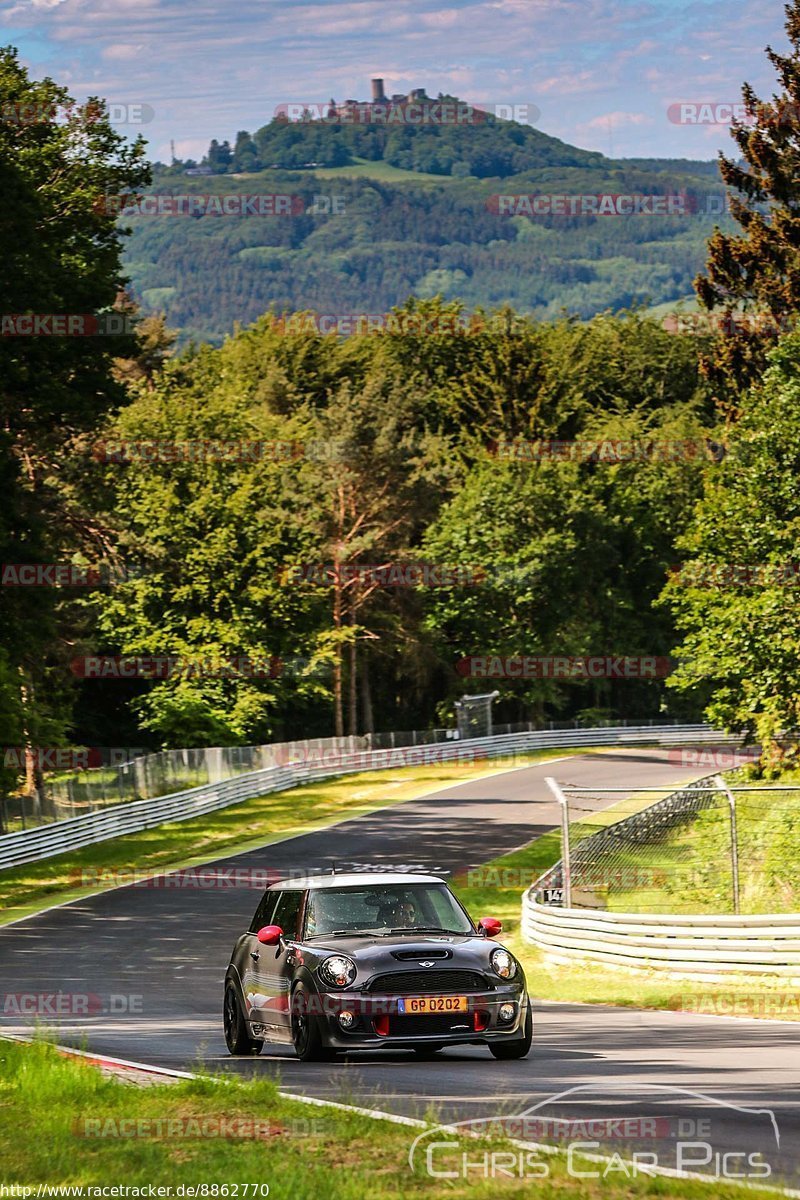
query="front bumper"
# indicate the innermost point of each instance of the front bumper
(379, 1023)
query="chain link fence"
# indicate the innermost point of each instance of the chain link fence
(148, 776)
(713, 847)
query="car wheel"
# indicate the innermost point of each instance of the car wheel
(427, 1051)
(237, 1037)
(518, 1048)
(306, 1035)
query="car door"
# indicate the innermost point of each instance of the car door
(276, 963)
(258, 999)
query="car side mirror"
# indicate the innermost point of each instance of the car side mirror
(270, 935)
(490, 926)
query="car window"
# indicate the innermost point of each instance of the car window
(444, 909)
(287, 911)
(327, 911)
(380, 908)
(264, 911)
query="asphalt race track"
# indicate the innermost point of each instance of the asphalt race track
(155, 957)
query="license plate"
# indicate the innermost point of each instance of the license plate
(432, 1004)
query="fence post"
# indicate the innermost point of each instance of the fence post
(566, 874)
(720, 784)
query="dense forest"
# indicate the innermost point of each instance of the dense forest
(386, 241)
(296, 533)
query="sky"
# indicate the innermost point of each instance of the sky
(602, 74)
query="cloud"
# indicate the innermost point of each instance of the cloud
(123, 51)
(617, 120)
(213, 68)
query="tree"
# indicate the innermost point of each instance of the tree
(154, 345)
(209, 523)
(375, 492)
(62, 250)
(219, 156)
(754, 276)
(735, 599)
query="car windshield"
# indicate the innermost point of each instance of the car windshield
(382, 909)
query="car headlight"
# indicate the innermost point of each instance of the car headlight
(503, 964)
(338, 970)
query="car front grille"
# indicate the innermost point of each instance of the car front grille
(430, 1025)
(413, 983)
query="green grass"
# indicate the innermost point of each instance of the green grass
(363, 168)
(241, 827)
(48, 1105)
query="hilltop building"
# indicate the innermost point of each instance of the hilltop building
(356, 111)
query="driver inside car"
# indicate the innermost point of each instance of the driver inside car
(404, 915)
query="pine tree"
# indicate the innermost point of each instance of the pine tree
(754, 276)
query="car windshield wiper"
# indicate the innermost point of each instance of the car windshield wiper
(345, 933)
(427, 929)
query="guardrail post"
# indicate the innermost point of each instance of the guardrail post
(566, 874)
(719, 782)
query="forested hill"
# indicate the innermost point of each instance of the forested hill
(415, 211)
(445, 136)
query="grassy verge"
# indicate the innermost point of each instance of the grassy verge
(241, 827)
(61, 1121)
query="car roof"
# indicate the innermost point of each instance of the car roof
(351, 879)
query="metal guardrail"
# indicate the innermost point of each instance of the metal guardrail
(133, 774)
(17, 849)
(706, 948)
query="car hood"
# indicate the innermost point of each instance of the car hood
(358, 946)
(406, 952)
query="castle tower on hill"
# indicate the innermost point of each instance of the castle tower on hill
(361, 109)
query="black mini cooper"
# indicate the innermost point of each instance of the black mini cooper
(359, 962)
